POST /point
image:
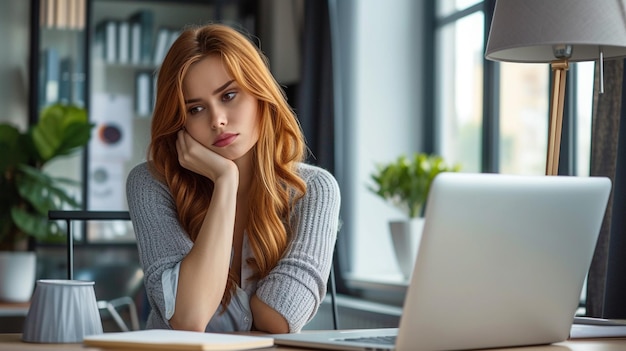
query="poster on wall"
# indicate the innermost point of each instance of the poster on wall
(112, 115)
(109, 148)
(107, 193)
(106, 186)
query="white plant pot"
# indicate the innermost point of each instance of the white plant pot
(17, 275)
(406, 236)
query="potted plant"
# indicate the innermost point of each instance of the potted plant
(405, 183)
(27, 193)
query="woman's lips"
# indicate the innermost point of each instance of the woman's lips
(225, 139)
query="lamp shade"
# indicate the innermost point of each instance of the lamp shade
(527, 30)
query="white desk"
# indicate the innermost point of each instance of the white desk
(12, 342)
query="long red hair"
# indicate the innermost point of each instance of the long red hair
(276, 184)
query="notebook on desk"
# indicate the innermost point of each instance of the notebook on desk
(501, 262)
(176, 340)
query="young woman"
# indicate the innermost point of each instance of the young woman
(234, 231)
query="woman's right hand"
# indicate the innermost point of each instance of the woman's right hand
(197, 158)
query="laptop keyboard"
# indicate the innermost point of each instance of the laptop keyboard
(380, 340)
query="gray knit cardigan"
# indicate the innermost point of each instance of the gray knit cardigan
(294, 288)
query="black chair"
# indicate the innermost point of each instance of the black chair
(115, 286)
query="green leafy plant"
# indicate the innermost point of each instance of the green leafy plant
(27, 193)
(405, 183)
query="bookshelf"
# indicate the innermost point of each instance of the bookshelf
(61, 54)
(58, 69)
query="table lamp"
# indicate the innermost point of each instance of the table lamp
(557, 32)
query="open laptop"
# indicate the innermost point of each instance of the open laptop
(501, 262)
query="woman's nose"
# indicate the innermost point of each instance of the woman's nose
(218, 118)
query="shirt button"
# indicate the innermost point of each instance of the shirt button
(246, 319)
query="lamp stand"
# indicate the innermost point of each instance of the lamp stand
(559, 73)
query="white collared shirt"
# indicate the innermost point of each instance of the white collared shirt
(238, 316)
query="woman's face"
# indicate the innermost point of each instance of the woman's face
(220, 114)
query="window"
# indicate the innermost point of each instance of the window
(584, 98)
(519, 100)
(449, 7)
(524, 95)
(391, 79)
(459, 72)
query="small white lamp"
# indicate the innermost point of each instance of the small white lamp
(557, 32)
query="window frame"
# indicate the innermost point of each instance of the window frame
(490, 143)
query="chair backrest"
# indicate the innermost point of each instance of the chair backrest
(113, 280)
(69, 216)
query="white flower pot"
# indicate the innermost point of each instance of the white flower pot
(17, 275)
(406, 236)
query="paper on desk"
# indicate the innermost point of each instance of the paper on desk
(585, 331)
(162, 339)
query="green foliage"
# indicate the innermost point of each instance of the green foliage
(406, 182)
(27, 193)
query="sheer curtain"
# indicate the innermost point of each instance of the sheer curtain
(606, 285)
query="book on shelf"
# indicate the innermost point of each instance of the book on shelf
(165, 38)
(123, 42)
(143, 94)
(49, 78)
(61, 79)
(78, 76)
(145, 19)
(135, 43)
(160, 48)
(106, 38)
(72, 14)
(46, 13)
(78, 87)
(61, 13)
(65, 80)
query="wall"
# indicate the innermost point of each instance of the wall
(14, 56)
(380, 74)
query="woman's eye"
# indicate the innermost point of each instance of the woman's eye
(194, 109)
(229, 96)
